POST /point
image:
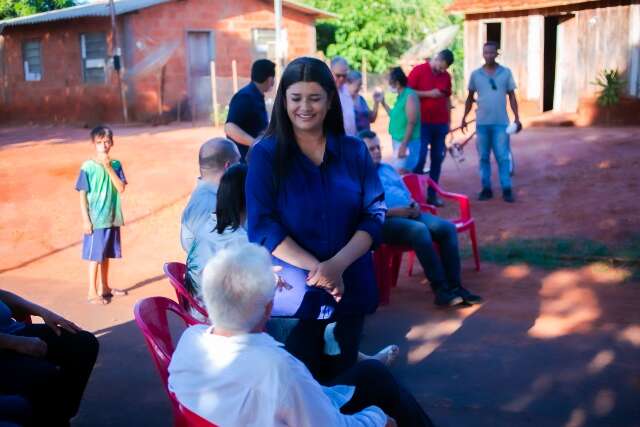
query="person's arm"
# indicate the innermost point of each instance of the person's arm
(467, 108)
(117, 178)
(373, 114)
(234, 132)
(513, 102)
(411, 110)
(385, 105)
(53, 320)
(87, 227)
(433, 93)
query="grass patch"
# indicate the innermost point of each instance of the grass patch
(552, 253)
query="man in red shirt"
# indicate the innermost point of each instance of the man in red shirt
(432, 83)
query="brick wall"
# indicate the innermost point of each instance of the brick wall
(63, 96)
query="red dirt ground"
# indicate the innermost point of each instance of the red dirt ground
(547, 348)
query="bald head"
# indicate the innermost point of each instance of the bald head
(216, 155)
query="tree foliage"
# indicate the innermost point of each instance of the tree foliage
(14, 8)
(382, 30)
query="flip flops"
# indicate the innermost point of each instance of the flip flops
(114, 292)
(100, 300)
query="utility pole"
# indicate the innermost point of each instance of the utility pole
(277, 9)
(117, 60)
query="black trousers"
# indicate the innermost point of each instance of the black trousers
(376, 386)
(304, 339)
(55, 383)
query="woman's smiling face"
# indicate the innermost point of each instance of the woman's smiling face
(307, 105)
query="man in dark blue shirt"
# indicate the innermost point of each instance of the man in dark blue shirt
(247, 118)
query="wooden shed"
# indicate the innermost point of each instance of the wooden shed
(556, 49)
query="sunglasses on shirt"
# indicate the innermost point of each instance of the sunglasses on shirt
(493, 83)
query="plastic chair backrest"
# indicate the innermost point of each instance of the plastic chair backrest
(151, 315)
(175, 272)
(416, 186)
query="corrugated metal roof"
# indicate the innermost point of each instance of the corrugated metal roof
(310, 10)
(101, 8)
(485, 6)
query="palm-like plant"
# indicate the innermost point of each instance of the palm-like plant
(611, 83)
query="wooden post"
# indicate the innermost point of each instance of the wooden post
(234, 72)
(117, 52)
(364, 75)
(214, 93)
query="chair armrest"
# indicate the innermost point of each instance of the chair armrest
(426, 208)
(463, 201)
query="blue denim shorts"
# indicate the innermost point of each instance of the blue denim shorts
(101, 244)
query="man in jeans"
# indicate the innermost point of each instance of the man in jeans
(406, 225)
(432, 84)
(494, 83)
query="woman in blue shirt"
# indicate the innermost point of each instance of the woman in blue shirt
(315, 202)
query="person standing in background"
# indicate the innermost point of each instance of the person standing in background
(432, 84)
(340, 69)
(248, 118)
(494, 83)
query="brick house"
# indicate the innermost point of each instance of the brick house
(57, 66)
(556, 49)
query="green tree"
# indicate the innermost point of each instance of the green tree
(14, 8)
(382, 30)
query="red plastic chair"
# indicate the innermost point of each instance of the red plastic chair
(418, 184)
(386, 263)
(151, 317)
(175, 272)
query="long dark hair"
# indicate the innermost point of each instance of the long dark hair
(304, 69)
(230, 201)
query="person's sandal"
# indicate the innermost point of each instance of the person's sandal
(98, 300)
(115, 293)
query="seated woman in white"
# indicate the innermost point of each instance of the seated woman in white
(233, 374)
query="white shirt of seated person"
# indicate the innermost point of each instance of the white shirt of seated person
(248, 379)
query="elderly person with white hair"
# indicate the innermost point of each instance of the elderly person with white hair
(234, 374)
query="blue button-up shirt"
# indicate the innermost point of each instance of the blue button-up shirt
(200, 207)
(320, 208)
(396, 193)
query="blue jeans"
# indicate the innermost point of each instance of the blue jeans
(493, 137)
(432, 135)
(442, 270)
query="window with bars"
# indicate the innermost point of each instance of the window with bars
(94, 57)
(32, 60)
(263, 43)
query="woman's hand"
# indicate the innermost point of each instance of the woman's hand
(328, 275)
(57, 322)
(30, 346)
(402, 150)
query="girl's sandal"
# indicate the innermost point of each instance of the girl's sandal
(98, 301)
(115, 292)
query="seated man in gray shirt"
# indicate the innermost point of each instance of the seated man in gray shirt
(215, 156)
(406, 225)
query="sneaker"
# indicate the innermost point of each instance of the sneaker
(435, 201)
(485, 194)
(445, 298)
(507, 195)
(467, 296)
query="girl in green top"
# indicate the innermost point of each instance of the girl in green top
(404, 119)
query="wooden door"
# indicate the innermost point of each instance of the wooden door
(201, 53)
